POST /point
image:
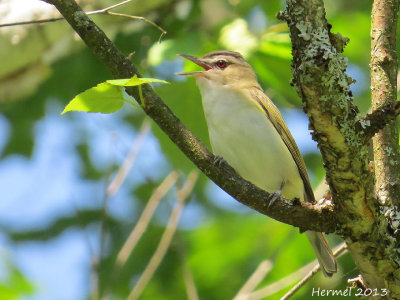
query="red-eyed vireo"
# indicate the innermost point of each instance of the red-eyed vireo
(248, 131)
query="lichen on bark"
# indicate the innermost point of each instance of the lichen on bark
(321, 81)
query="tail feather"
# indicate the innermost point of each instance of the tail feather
(323, 252)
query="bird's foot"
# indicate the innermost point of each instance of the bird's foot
(218, 161)
(275, 195)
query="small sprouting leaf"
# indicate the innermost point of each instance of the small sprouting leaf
(107, 97)
(104, 98)
(134, 81)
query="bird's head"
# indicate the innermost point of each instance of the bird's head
(223, 67)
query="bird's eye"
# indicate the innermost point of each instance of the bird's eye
(221, 64)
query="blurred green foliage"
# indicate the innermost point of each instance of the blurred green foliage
(15, 285)
(227, 245)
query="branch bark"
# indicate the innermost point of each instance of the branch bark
(320, 79)
(383, 65)
(306, 216)
(378, 119)
(384, 92)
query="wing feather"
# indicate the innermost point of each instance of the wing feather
(276, 119)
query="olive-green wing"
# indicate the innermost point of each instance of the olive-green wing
(276, 119)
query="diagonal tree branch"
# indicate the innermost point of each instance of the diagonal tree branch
(304, 215)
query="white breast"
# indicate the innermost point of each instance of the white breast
(248, 141)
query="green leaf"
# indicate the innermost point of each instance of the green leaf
(104, 98)
(134, 81)
(14, 286)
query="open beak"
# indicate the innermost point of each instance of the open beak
(198, 62)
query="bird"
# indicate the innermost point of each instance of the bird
(247, 131)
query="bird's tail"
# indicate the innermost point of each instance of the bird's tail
(323, 252)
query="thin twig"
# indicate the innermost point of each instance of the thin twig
(280, 284)
(144, 219)
(103, 11)
(114, 186)
(290, 279)
(190, 285)
(263, 269)
(32, 22)
(337, 252)
(140, 227)
(166, 238)
(143, 19)
(378, 119)
(123, 171)
(191, 290)
(93, 12)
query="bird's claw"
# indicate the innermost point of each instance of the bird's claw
(276, 195)
(218, 160)
(273, 197)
